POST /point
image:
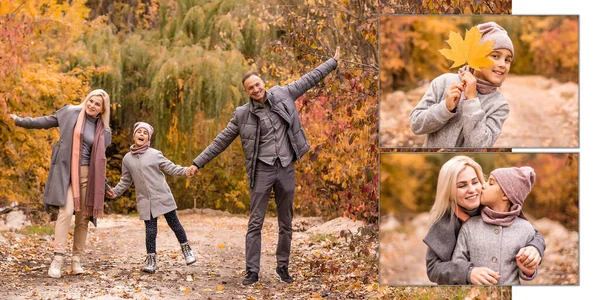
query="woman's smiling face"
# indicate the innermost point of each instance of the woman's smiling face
(468, 188)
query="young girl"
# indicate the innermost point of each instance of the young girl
(141, 166)
(493, 239)
(457, 199)
(467, 110)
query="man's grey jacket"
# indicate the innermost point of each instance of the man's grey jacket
(246, 123)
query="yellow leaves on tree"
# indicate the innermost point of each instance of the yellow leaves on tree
(468, 51)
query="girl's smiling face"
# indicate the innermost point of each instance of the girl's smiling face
(497, 72)
(140, 137)
(468, 189)
(93, 106)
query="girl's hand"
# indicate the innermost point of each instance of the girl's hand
(470, 83)
(453, 95)
(336, 56)
(13, 116)
(482, 275)
(110, 194)
(191, 171)
(529, 257)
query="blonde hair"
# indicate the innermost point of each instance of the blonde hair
(445, 195)
(105, 105)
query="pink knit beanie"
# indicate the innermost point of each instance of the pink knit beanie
(515, 182)
(492, 31)
(145, 126)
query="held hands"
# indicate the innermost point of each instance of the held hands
(191, 170)
(110, 194)
(482, 275)
(528, 259)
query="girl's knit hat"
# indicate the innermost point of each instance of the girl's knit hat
(145, 126)
(516, 183)
(492, 31)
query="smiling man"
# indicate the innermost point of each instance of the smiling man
(272, 139)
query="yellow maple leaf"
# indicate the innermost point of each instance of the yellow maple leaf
(468, 51)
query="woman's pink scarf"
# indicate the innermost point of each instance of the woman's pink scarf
(97, 174)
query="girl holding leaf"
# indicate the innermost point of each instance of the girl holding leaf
(466, 109)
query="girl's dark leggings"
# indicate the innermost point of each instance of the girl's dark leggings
(152, 230)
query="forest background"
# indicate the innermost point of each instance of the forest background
(178, 66)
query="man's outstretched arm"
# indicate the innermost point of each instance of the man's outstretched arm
(310, 79)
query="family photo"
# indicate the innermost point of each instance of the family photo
(479, 219)
(479, 81)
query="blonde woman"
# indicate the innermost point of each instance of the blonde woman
(458, 197)
(78, 160)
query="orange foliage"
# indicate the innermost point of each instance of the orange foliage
(466, 7)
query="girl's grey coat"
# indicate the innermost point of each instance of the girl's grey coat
(152, 192)
(59, 176)
(494, 247)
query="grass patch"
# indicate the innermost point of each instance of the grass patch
(37, 229)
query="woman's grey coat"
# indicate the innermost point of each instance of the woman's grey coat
(152, 192)
(59, 176)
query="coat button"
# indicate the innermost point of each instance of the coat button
(496, 231)
(494, 259)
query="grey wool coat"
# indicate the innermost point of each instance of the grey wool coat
(441, 241)
(477, 123)
(152, 192)
(245, 122)
(494, 246)
(59, 176)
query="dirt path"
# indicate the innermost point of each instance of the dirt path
(402, 260)
(116, 249)
(543, 113)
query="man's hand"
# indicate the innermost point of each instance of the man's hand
(336, 56)
(529, 257)
(191, 170)
(482, 275)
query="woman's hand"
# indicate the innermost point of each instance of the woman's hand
(110, 194)
(453, 95)
(13, 116)
(526, 270)
(470, 83)
(529, 257)
(482, 275)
